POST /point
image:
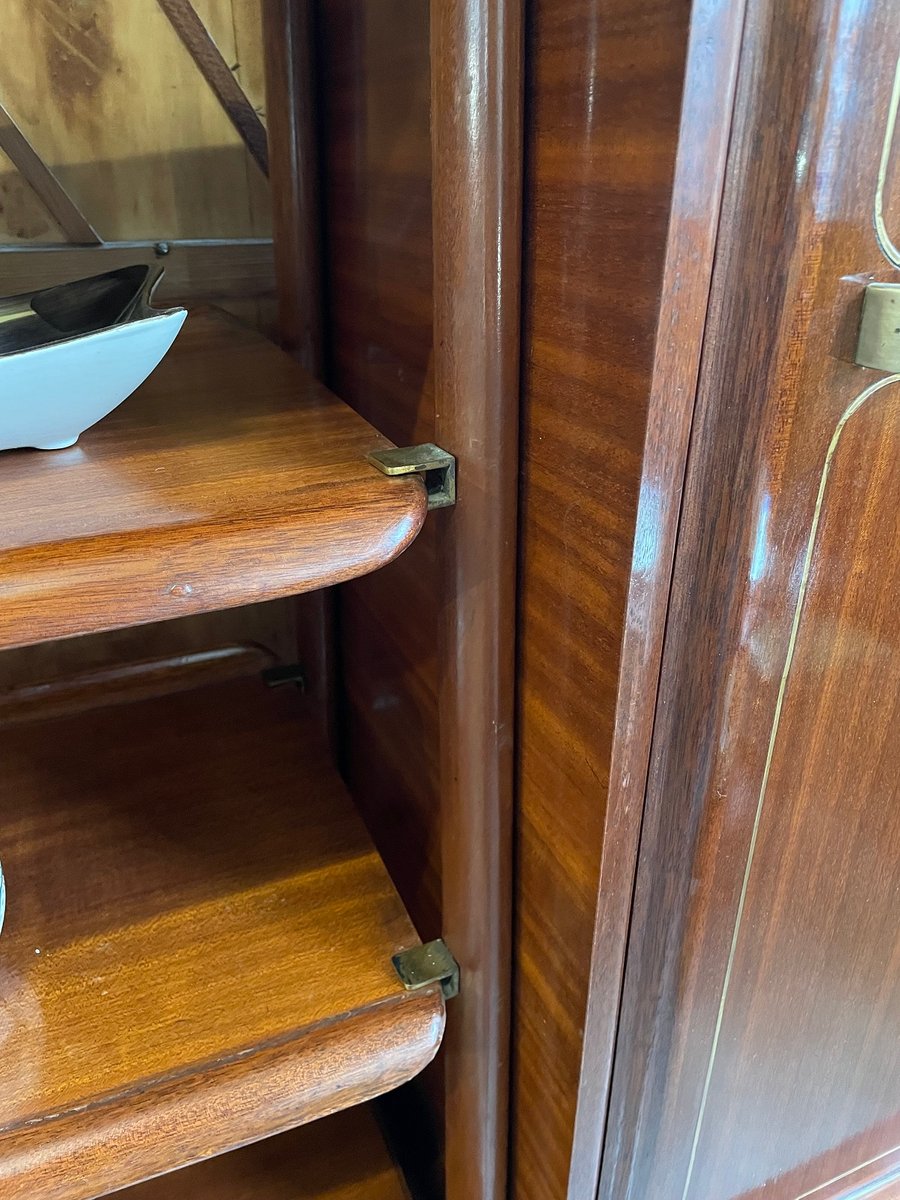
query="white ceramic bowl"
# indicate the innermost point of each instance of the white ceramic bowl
(2, 898)
(71, 354)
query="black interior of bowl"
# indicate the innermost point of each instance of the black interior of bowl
(84, 306)
(91, 304)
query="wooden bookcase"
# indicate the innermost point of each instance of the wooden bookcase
(198, 958)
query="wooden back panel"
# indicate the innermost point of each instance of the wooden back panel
(376, 196)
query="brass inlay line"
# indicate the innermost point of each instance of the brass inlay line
(885, 242)
(852, 409)
(852, 1171)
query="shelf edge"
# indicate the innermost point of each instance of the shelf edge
(99, 1149)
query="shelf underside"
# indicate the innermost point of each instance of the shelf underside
(230, 476)
(340, 1158)
(198, 941)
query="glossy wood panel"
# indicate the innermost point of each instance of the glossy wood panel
(605, 84)
(476, 106)
(374, 102)
(288, 28)
(267, 627)
(207, 271)
(230, 476)
(342, 1158)
(376, 179)
(758, 1053)
(710, 76)
(294, 176)
(125, 682)
(376, 175)
(198, 942)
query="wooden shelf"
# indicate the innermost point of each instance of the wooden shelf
(230, 476)
(198, 942)
(341, 1158)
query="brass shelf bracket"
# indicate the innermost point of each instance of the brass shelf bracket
(438, 467)
(282, 674)
(420, 966)
(879, 328)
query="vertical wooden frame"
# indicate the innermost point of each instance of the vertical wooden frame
(293, 171)
(477, 69)
(707, 102)
(289, 39)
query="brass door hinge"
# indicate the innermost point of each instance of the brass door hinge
(437, 466)
(420, 966)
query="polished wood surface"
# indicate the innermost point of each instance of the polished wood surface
(294, 175)
(291, 86)
(198, 941)
(195, 272)
(342, 1158)
(122, 683)
(376, 179)
(758, 1054)
(230, 476)
(83, 666)
(603, 445)
(374, 101)
(477, 62)
(710, 76)
(434, 788)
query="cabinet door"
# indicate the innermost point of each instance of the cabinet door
(759, 1045)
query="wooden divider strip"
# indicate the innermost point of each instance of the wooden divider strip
(214, 69)
(477, 73)
(195, 270)
(44, 183)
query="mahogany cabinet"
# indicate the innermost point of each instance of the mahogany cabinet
(523, 818)
(709, 631)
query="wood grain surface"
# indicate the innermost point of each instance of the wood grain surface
(604, 87)
(198, 940)
(376, 193)
(219, 76)
(758, 1054)
(374, 98)
(122, 683)
(294, 173)
(115, 106)
(291, 86)
(205, 271)
(230, 476)
(80, 664)
(710, 77)
(46, 187)
(435, 788)
(342, 1157)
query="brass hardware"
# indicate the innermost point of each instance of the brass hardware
(438, 467)
(879, 328)
(432, 963)
(278, 676)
